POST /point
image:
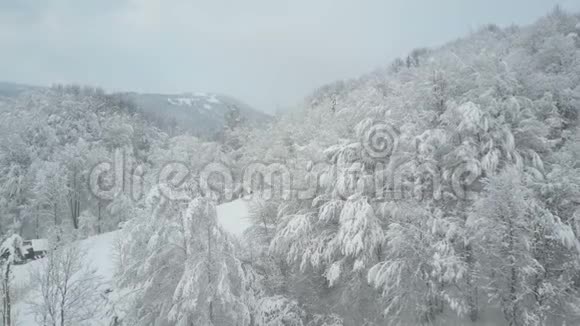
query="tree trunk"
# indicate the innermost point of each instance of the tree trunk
(7, 312)
(472, 300)
(471, 288)
(55, 215)
(99, 217)
(37, 223)
(62, 319)
(74, 201)
(513, 278)
(209, 269)
(63, 302)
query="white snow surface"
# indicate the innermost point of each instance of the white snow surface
(233, 217)
(100, 255)
(39, 244)
(195, 99)
(213, 99)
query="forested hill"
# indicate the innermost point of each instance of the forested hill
(442, 189)
(200, 114)
(449, 184)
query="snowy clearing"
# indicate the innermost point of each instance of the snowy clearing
(100, 253)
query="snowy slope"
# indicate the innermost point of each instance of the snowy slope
(99, 254)
(233, 216)
(198, 113)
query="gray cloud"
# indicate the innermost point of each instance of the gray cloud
(267, 53)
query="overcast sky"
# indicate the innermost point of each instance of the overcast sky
(267, 53)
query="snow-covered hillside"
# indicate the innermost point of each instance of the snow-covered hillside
(439, 189)
(100, 254)
(195, 100)
(198, 112)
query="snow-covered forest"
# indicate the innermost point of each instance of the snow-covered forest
(440, 189)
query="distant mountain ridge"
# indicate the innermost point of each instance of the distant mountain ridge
(8, 89)
(201, 114)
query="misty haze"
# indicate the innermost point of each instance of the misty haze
(303, 163)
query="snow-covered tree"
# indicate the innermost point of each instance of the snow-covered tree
(51, 188)
(181, 266)
(527, 254)
(10, 252)
(210, 291)
(68, 288)
(278, 311)
(420, 270)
